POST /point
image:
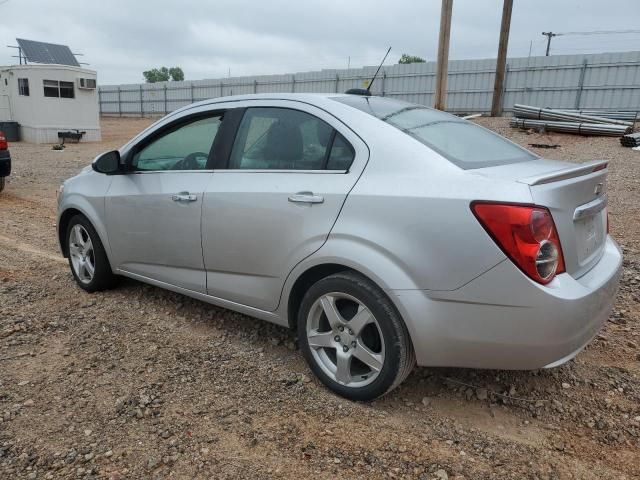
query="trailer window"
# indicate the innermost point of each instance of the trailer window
(55, 88)
(51, 88)
(66, 89)
(23, 86)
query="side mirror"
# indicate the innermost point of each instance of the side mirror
(108, 163)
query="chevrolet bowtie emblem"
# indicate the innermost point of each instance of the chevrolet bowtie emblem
(599, 188)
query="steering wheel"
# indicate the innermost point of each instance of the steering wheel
(190, 162)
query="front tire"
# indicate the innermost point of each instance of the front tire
(87, 258)
(353, 338)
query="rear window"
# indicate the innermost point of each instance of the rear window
(462, 142)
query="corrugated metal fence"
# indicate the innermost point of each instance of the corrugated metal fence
(596, 81)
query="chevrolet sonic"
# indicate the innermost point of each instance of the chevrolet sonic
(386, 233)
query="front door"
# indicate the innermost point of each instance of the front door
(153, 213)
(290, 170)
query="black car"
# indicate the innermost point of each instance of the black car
(5, 160)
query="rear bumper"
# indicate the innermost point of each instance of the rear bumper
(5, 163)
(503, 320)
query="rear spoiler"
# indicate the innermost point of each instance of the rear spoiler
(565, 173)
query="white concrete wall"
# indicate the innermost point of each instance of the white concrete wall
(40, 117)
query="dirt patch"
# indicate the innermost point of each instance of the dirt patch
(143, 383)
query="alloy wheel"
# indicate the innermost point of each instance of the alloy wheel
(345, 339)
(82, 254)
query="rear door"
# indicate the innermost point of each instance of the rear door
(290, 169)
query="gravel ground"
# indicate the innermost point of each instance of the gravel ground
(142, 383)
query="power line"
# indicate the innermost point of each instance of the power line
(599, 32)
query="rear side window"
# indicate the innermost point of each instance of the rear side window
(270, 138)
(462, 142)
(341, 155)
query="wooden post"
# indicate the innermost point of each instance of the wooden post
(165, 99)
(383, 80)
(583, 70)
(501, 62)
(549, 36)
(119, 103)
(141, 103)
(443, 55)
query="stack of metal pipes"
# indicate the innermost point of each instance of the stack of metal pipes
(630, 140)
(627, 115)
(570, 122)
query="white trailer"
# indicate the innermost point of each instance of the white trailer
(47, 98)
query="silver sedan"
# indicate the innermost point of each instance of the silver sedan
(386, 233)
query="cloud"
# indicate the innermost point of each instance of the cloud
(208, 39)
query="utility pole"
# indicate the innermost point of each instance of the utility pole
(496, 105)
(443, 55)
(549, 35)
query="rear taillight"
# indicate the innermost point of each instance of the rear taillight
(526, 234)
(3, 142)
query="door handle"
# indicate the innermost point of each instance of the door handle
(306, 197)
(184, 197)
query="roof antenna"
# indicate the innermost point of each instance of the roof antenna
(367, 91)
(379, 67)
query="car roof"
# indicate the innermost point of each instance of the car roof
(312, 98)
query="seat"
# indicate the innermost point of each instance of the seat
(283, 148)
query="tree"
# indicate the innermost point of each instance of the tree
(404, 59)
(163, 74)
(177, 75)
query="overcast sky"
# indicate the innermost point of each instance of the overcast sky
(210, 38)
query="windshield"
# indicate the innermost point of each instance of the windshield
(462, 142)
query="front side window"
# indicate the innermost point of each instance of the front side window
(23, 86)
(185, 147)
(272, 138)
(462, 142)
(58, 89)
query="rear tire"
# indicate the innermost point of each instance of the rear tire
(87, 258)
(1, 183)
(353, 338)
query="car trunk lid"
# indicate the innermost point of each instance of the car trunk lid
(576, 197)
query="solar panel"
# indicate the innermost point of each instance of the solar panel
(41, 52)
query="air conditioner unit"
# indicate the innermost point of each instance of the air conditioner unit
(87, 83)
